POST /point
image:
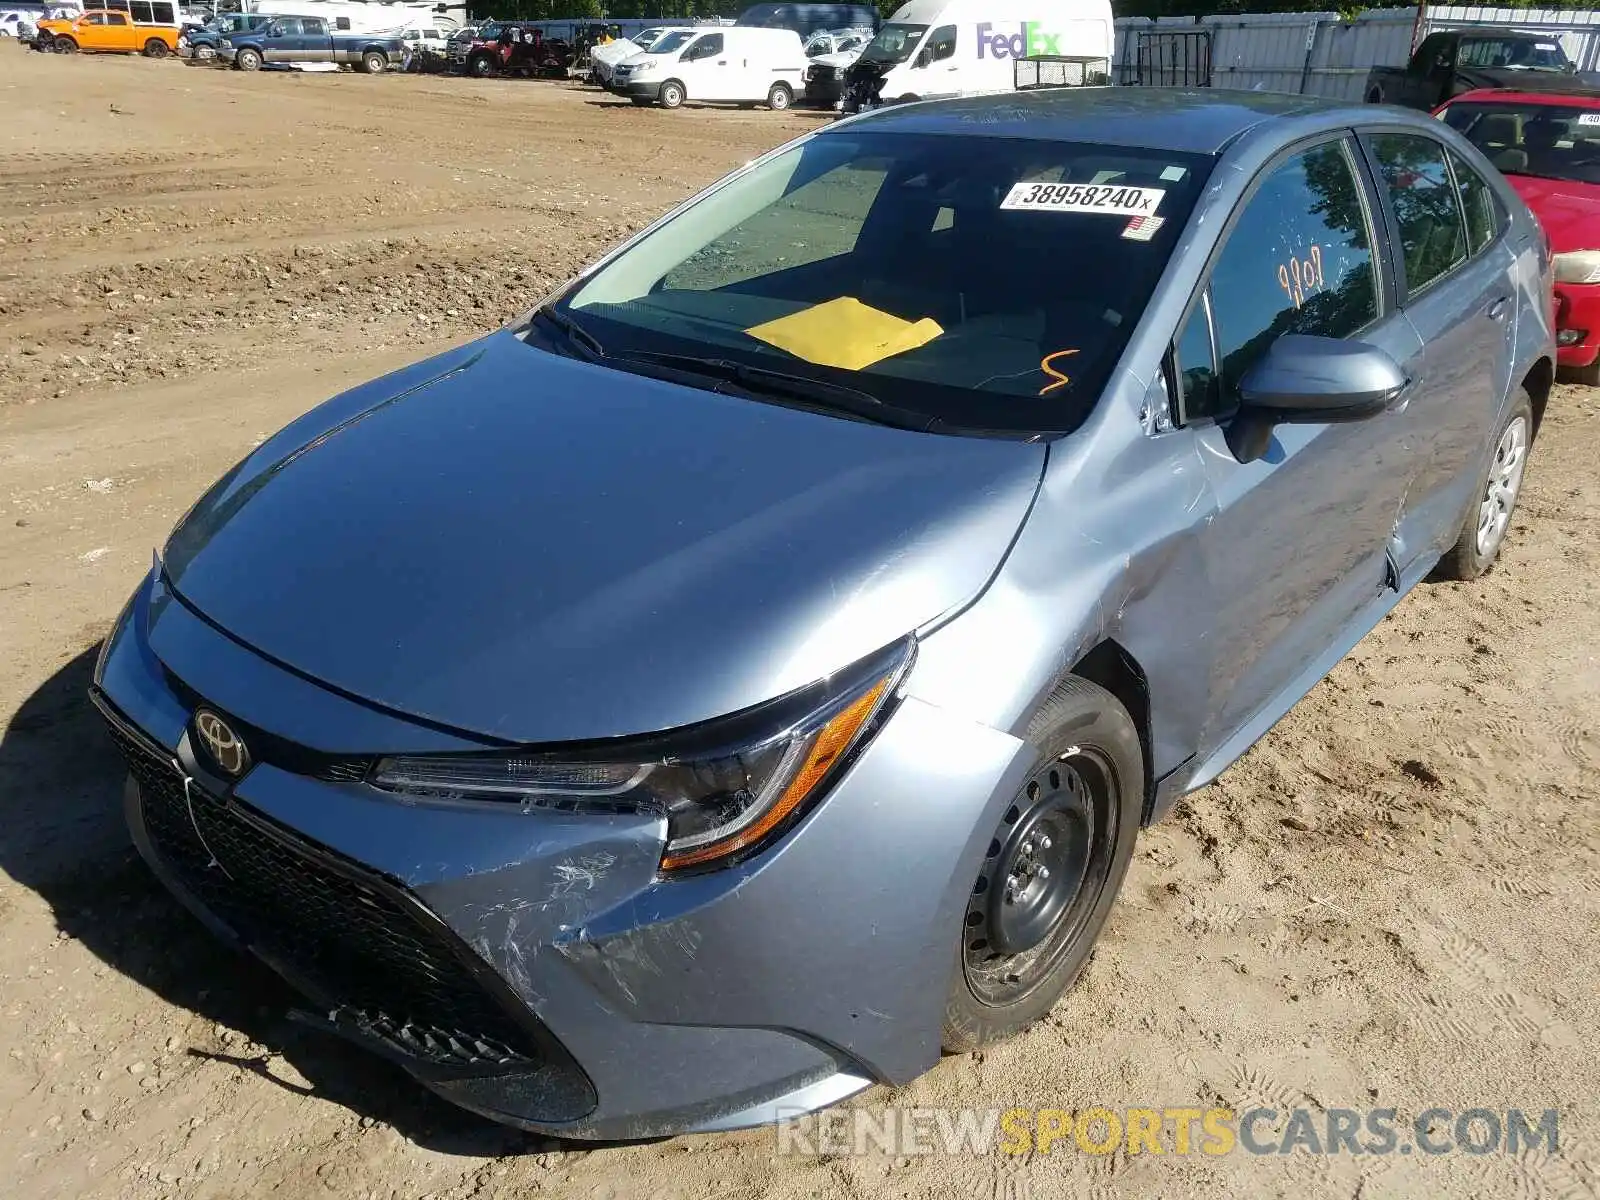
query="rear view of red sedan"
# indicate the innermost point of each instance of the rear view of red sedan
(1548, 148)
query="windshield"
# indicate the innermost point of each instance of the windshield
(987, 283)
(671, 42)
(895, 43)
(1548, 140)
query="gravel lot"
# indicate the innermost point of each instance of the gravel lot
(1393, 900)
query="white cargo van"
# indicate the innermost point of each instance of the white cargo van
(931, 49)
(734, 64)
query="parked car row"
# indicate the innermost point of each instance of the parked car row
(1547, 145)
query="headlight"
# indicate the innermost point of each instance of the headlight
(726, 788)
(1578, 266)
(224, 44)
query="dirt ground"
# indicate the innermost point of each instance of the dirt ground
(1392, 901)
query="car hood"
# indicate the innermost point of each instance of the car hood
(534, 548)
(1569, 211)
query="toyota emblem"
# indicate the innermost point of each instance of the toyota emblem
(225, 747)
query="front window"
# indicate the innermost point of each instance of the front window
(988, 284)
(1299, 260)
(1527, 138)
(894, 43)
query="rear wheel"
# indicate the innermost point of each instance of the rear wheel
(672, 94)
(1484, 531)
(1052, 869)
(374, 62)
(247, 60)
(63, 45)
(155, 48)
(780, 97)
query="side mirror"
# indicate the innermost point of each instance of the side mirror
(1305, 380)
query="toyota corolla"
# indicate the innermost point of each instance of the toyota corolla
(747, 674)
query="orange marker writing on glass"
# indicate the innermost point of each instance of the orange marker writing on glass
(1061, 380)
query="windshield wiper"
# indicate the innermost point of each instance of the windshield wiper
(575, 332)
(763, 381)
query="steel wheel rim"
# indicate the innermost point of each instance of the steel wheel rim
(1503, 484)
(1019, 925)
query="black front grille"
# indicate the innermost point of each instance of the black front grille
(380, 966)
(823, 73)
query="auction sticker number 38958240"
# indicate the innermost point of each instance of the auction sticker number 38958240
(1084, 198)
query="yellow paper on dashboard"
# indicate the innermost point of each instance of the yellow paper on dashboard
(846, 333)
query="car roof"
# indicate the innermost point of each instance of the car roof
(1196, 122)
(1577, 97)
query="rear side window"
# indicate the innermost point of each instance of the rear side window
(315, 26)
(1477, 202)
(1427, 209)
(1299, 260)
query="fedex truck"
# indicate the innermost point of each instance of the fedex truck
(930, 49)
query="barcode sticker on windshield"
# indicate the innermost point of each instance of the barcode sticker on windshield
(1084, 198)
(1589, 118)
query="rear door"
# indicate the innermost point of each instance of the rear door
(316, 40)
(119, 32)
(1454, 275)
(1296, 553)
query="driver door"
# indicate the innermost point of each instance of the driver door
(1297, 552)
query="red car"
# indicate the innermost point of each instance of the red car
(1547, 145)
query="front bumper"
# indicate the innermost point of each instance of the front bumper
(1577, 324)
(824, 91)
(532, 966)
(640, 89)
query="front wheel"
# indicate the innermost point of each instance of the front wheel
(672, 94)
(63, 45)
(373, 63)
(482, 67)
(155, 48)
(1484, 531)
(780, 97)
(1051, 870)
(247, 60)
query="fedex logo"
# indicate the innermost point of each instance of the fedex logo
(1032, 40)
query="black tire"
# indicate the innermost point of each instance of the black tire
(780, 97)
(374, 62)
(481, 67)
(155, 48)
(1375, 95)
(247, 60)
(1080, 809)
(63, 45)
(673, 94)
(1484, 529)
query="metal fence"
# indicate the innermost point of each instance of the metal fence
(1317, 53)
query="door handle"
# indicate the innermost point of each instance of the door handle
(1497, 311)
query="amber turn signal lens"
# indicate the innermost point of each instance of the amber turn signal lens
(828, 745)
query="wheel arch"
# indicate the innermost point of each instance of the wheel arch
(1539, 381)
(1110, 665)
